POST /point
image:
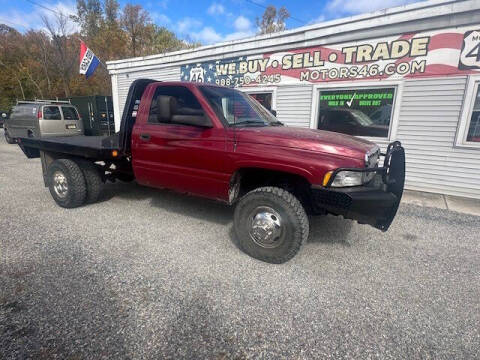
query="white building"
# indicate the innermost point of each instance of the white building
(410, 73)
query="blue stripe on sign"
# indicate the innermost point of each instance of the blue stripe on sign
(92, 67)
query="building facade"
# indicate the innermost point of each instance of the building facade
(410, 73)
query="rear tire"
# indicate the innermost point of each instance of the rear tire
(66, 183)
(271, 225)
(8, 139)
(93, 180)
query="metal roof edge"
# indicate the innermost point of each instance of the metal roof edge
(395, 15)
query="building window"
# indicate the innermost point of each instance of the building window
(357, 112)
(264, 98)
(469, 129)
(473, 134)
(264, 95)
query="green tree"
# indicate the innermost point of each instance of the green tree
(89, 16)
(111, 8)
(44, 63)
(161, 40)
(134, 21)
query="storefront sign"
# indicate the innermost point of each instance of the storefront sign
(444, 52)
(357, 111)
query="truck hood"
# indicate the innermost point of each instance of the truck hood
(307, 139)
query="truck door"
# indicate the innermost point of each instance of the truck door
(179, 144)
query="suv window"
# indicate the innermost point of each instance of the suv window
(69, 113)
(184, 103)
(51, 113)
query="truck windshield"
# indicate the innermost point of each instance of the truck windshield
(237, 108)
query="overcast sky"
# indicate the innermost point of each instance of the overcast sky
(206, 21)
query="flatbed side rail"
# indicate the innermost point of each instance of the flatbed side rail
(32, 146)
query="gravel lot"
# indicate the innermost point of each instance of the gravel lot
(148, 274)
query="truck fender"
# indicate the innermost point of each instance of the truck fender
(236, 178)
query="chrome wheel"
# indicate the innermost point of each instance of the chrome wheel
(60, 184)
(266, 228)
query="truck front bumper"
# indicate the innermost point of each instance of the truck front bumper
(375, 203)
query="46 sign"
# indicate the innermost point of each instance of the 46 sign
(470, 55)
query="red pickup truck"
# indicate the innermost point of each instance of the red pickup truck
(221, 144)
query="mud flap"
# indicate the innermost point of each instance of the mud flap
(30, 153)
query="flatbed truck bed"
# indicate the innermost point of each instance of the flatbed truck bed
(89, 147)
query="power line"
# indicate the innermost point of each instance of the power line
(14, 24)
(264, 7)
(36, 4)
(43, 6)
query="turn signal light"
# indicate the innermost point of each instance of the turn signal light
(114, 153)
(327, 177)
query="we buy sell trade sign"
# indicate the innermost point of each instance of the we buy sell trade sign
(427, 54)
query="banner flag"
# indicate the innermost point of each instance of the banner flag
(88, 61)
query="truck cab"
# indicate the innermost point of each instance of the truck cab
(222, 144)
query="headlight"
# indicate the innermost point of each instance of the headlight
(348, 178)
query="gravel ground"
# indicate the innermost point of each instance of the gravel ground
(147, 274)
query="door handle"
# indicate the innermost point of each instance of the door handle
(145, 137)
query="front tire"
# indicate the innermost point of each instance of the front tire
(271, 225)
(66, 183)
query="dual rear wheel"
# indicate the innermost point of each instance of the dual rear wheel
(74, 183)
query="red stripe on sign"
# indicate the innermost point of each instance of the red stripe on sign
(440, 41)
(83, 50)
(446, 41)
(407, 36)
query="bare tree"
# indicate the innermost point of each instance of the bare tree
(44, 60)
(64, 57)
(273, 20)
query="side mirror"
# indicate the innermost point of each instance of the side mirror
(274, 112)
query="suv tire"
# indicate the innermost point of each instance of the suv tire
(66, 183)
(93, 180)
(270, 224)
(8, 139)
